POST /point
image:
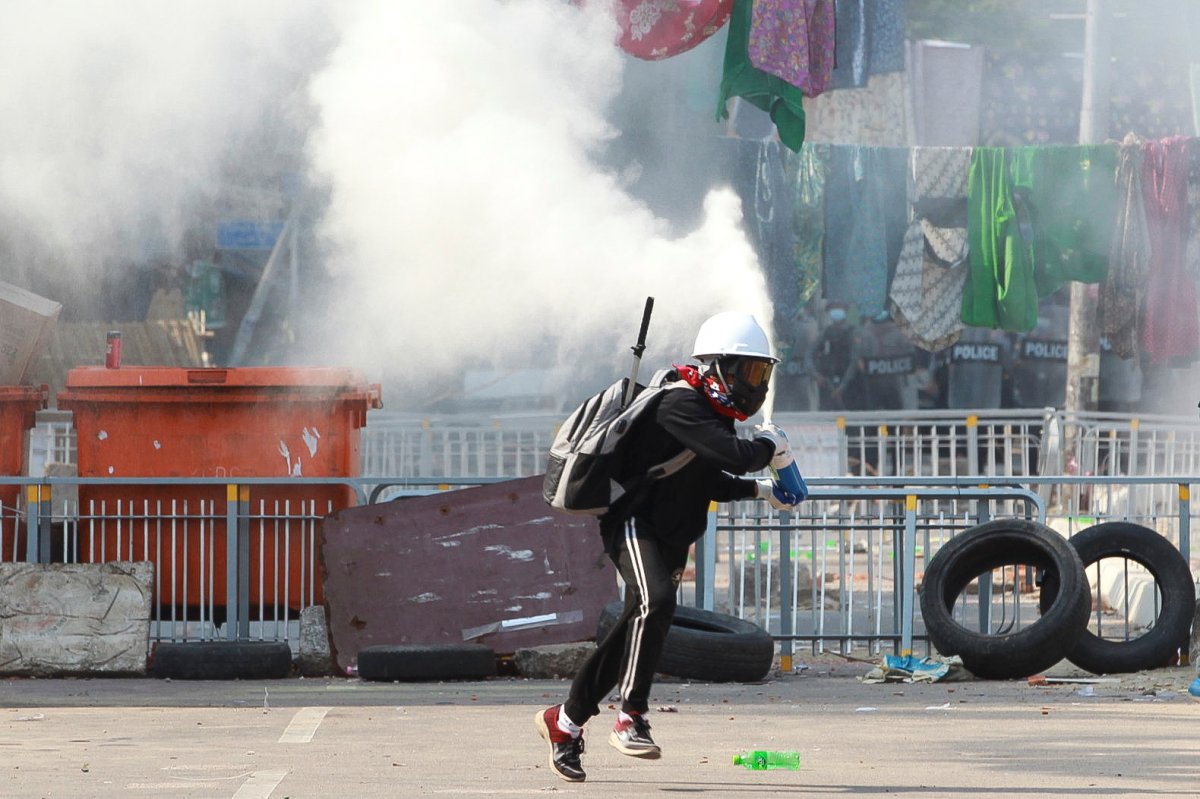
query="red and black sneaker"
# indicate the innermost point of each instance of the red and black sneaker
(633, 737)
(564, 750)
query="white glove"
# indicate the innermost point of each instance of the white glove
(773, 433)
(779, 499)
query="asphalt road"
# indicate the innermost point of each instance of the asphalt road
(347, 738)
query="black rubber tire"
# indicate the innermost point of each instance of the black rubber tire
(222, 660)
(706, 646)
(1005, 542)
(416, 662)
(1158, 646)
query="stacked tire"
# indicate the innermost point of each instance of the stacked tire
(1173, 579)
(1061, 630)
(706, 645)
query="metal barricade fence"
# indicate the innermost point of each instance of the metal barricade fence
(925, 443)
(841, 572)
(407, 446)
(923, 447)
(1009, 442)
(928, 443)
(208, 584)
(1116, 444)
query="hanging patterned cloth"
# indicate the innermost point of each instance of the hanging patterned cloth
(865, 219)
(657, 29)
(870, 40)
(1124, 288)
(927, 291)
(793, 40)
(763, 172)
(809, 218)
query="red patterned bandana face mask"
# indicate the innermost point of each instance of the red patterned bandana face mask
(717, 396)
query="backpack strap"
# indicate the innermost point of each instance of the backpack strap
(669, 467)
(663, 379)
(673, 464)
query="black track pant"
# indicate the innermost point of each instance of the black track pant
(628, 656)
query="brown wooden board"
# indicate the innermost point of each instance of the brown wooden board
(422, 570)
(163, 342)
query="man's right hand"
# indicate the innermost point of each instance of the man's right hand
(776, 496)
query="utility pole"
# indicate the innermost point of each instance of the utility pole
(1083, 340)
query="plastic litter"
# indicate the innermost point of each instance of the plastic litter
(906, 668)
(761, 760)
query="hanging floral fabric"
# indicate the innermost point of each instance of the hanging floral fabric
(793, 40)
(657, 29)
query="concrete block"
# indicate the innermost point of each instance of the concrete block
(59, 619)
(314, 658)
(552, 660)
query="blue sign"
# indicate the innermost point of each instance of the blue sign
(248, 234)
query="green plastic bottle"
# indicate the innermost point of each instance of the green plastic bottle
(762, 760)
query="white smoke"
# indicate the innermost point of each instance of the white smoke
(466, 221)
(469, 221)
(117, 121)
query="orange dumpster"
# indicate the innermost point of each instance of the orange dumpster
(231, 423)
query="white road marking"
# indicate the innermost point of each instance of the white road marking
(260, 785)
(495, 792)
(304, 725)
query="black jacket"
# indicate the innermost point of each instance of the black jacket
(675, 508)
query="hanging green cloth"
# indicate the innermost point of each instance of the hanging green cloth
(1000, 290)
(1074, 198)
(780, 99)
(1039, 218)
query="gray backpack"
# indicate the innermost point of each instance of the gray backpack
(583, 473)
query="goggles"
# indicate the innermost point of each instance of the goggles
(748, 373)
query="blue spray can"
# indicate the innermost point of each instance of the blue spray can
(787, 475)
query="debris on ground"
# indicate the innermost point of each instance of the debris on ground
(1042, 679)
(907, 668)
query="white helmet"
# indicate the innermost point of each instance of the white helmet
(732, 333)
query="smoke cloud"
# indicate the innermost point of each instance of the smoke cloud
(120, 125)
(461, 212)
(469, 222)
